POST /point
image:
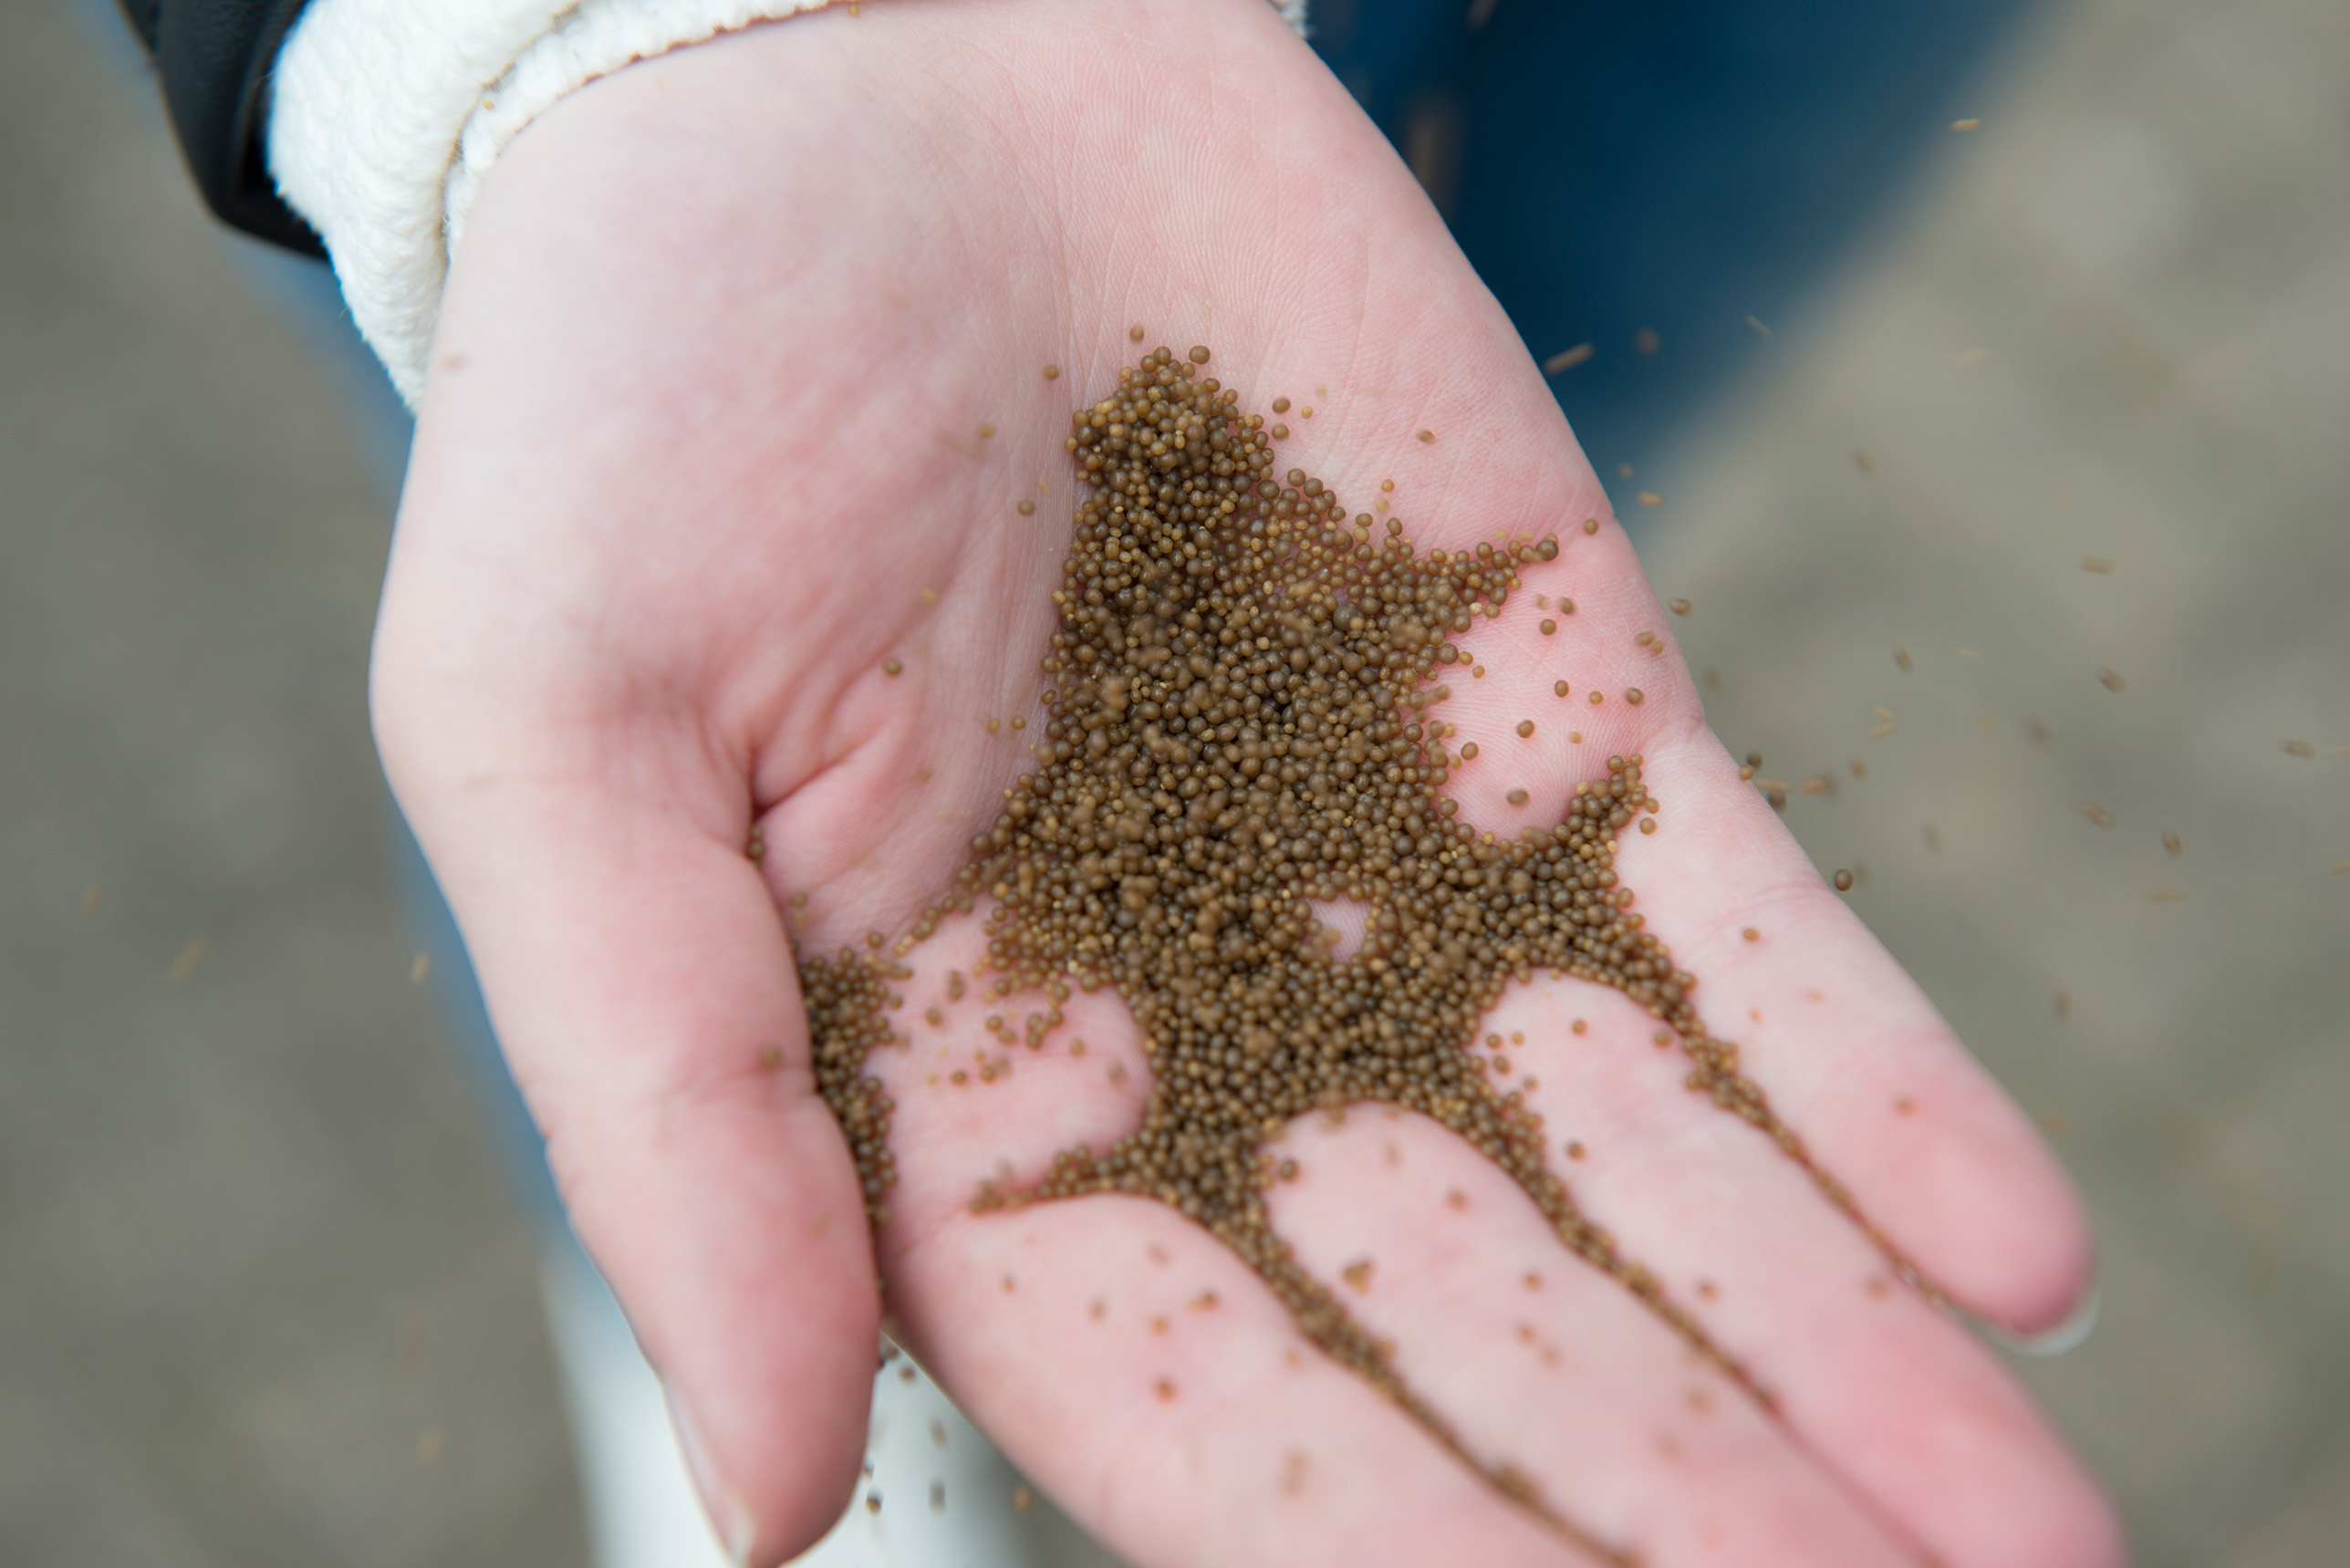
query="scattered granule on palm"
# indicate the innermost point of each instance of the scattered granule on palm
(1237, 730)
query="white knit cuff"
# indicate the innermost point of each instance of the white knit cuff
(386, 115)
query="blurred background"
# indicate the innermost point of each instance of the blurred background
(1980, 373)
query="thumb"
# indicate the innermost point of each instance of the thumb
(643, 988)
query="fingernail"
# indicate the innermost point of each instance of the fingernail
(728, 1516)
(2070, 1334)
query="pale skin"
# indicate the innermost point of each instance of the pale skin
(699, 450)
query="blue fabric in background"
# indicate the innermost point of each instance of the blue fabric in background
(1676, 165)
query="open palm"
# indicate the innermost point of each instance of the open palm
(738, 493)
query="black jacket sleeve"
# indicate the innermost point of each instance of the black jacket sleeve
(212, 60)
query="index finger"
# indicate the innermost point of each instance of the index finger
(1854, 1058)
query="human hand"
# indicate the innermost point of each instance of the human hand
(702, 450)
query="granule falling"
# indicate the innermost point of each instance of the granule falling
(1235, 730)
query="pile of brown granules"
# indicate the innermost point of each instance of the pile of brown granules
(1241, 726)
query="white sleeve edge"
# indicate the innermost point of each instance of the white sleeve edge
(387, 116)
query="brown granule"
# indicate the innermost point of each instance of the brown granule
(1236, 728)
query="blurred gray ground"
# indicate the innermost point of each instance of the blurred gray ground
(262, 1298)
(2114, 322)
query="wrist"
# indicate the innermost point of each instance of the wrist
(388, 116)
